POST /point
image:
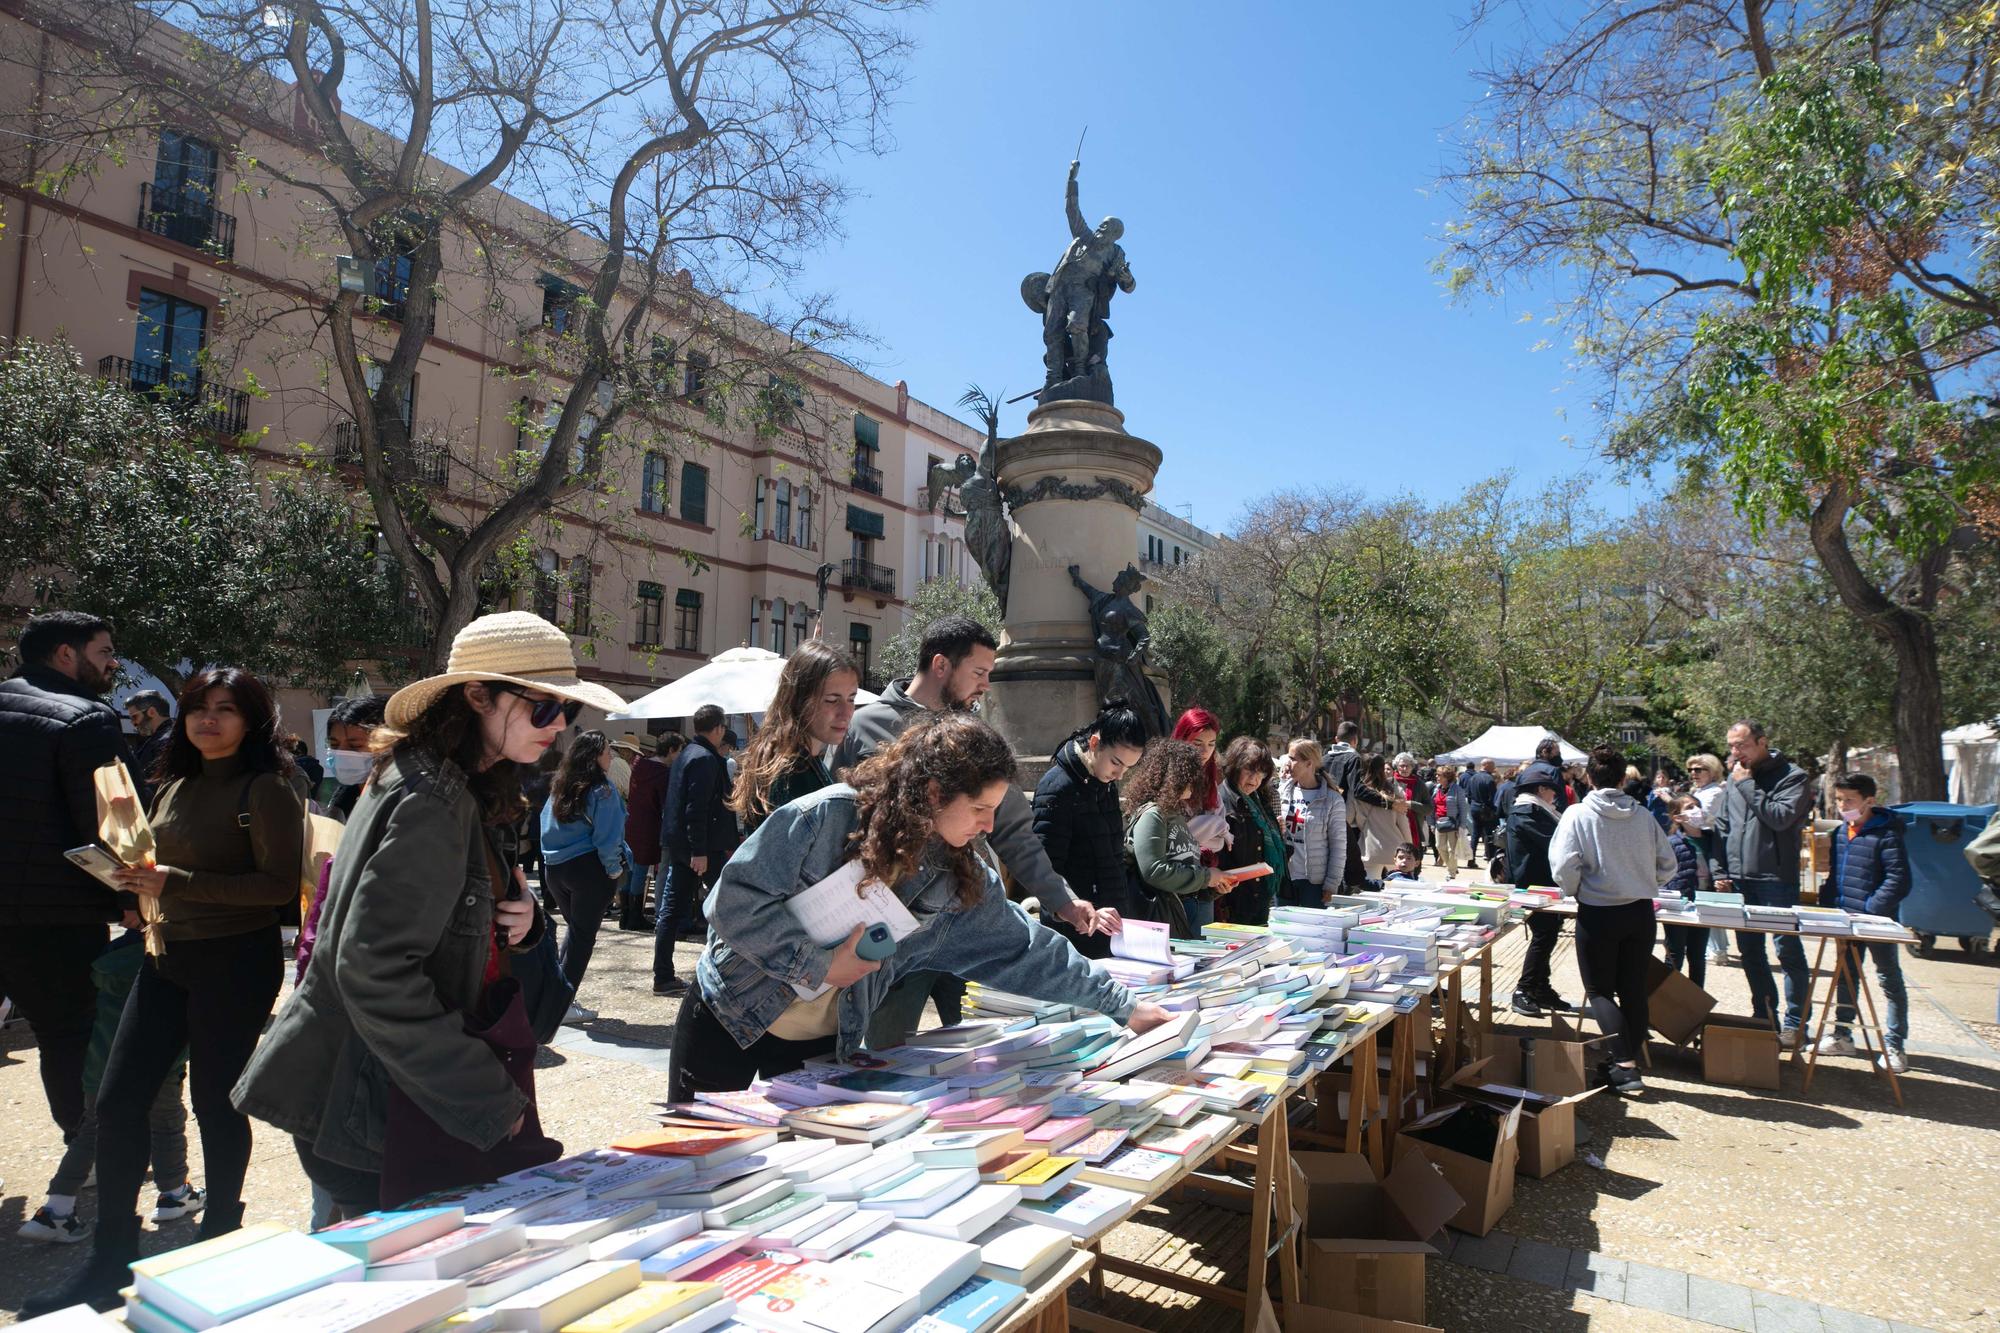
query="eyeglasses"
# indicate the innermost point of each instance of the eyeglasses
(543, 711)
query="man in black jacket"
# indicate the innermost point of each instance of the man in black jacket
(697, 834)
(1483, 791)
(55, 731)
(1342, 767)
(1531, 824)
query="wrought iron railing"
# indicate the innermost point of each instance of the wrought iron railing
(220, 407)
(867, 576)
(867, 478)
(188, 218)
(428, 461)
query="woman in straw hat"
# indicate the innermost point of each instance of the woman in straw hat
(423, 902)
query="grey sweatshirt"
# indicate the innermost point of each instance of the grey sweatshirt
(1013, 838)
(1607, 851)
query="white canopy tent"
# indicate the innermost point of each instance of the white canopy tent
(1972, 763)
(1509, 745)
(742, 680)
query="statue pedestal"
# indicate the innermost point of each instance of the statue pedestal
(1075, 483)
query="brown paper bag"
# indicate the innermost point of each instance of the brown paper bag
(322, 841)
(122, 827)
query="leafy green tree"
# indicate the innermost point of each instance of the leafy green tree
(113, 503)
(1205, 667)
(933, 600)
(1774, 226)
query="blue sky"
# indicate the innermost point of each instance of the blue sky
(1276, 179)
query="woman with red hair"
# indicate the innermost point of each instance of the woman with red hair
(1210, 827)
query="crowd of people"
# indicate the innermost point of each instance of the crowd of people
(402, 1059)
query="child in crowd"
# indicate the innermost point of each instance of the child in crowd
(1871, 875)
(1691, 875)
(1406, 863)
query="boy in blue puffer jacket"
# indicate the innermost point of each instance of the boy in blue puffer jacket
(1871, 874)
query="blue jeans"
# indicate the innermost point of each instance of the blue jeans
(1299, 893)
(674, 908)
(1198, 914)
(1791, 956)
(1895, 998)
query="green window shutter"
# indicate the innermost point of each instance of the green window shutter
(865, 522)
(867, 432)
(687, 597)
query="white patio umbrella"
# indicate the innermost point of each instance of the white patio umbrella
(742, 680)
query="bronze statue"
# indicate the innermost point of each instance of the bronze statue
(1075, 305)
(1119, 627)
(987, 536)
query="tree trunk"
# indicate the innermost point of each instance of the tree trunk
(1918, 710)
(1917, 703)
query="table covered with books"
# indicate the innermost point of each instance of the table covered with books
(1834, 928)
(960, 1183)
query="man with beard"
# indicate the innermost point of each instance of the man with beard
(55, 731)
(954, 669)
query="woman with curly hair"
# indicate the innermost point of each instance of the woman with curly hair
(767, 998)
(1161, 794)
(807, 720)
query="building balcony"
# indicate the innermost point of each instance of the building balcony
(217, 407)
(428, 461)
(867, 478)
(948, 505)
(867, 576)
(187, 219)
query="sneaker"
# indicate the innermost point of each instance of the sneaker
(183, 1202)
(578, 1016)
(1624, 1080)
(55, 1228)
(671, 986)
(1894, 1062)
(1524, 1005)
(1548, 999)
(1837, 1043)
(1791, 1039)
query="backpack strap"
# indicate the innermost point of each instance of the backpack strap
(243, 802)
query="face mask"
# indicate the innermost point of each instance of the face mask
(350, 768)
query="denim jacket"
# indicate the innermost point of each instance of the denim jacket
(757, 949)
(601, 830)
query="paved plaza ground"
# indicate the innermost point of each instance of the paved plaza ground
(1714, 1207)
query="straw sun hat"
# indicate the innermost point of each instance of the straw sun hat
(512, 646)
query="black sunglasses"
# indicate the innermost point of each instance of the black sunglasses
(541, 712)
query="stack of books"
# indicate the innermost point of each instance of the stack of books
(1719, 909)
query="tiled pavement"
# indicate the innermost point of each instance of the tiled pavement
(1664, 1290)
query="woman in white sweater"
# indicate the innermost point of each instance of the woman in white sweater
(1612, 857)
(1313, 818)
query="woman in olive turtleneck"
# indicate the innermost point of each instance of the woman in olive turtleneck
(229, 831)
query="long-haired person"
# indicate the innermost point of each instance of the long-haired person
(1078, 819)
(1248, 775)
(425, 901)
(1203, 730)
(807, 720)
(1314, 820)
(1383, 819)
(913, 819)
(229, 832)
(1161, 794)
(584, 856)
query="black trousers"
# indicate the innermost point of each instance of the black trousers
(1251, 907)
(1689, 944)
(1612, 945)
(45, 970)
(1544, 929)
(705, 1058)
(211, 997)
(582, 892)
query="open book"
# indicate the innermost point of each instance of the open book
(832, 908)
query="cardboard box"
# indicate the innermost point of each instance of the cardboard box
(1557, 1059)
(1740, 1051)
(1548, 1123)
(1675, 1006)
(1366, 1239)
(1477, 1147)
(1302, 1318)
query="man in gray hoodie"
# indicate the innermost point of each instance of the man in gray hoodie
(954, 669)
(1612, 857)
